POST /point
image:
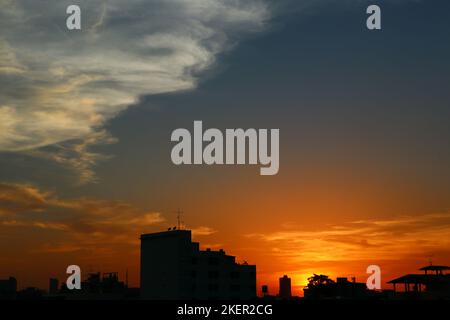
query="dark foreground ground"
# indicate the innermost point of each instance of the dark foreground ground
(259, 309)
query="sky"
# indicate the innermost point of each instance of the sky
(86, 118)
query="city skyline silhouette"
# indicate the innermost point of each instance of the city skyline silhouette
(174, 268)
(361, 117)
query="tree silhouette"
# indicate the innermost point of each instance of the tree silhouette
(319, 280)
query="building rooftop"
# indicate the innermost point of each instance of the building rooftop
(419, 278)
(411, 278)
(434, 268)
(164, 234)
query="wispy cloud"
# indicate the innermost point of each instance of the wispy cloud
(77, 155)
(86, 223)
(60, 87)
(203, 231)
(82, 221)
(365, 240)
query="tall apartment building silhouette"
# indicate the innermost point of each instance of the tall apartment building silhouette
(173, 267)
(285, 287)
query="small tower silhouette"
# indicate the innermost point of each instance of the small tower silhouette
(179, 221)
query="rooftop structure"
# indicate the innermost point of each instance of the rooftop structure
(429, 284)
(173, 267)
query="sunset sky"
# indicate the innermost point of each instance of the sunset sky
(86, 118)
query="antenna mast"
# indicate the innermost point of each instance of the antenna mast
(430, 257)
(179, 222)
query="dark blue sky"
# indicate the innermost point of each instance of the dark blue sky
(343, 96)
(334, 88)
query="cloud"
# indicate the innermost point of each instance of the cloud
(382, 239)
(81, 221)
(203, 231)
(20, 198)
(76, 154)
(59, 88)
(398, 244)
(84, 223)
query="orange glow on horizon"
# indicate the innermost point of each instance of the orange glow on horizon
(45, 233)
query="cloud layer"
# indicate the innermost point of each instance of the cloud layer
(60, 87)
(80, 222)
(41, 233)
(382, 239)
(27, 206)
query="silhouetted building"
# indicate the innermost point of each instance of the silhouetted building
(351, 289)
(285, 287)
(265, 290)
(173, 267)
(100, 286)
(106, 283)
(53, 286)
(8, 288)
(92, 284)
(322, 287)
(111, 283)
(433, 284)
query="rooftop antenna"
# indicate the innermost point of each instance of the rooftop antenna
(179, 222)
(430, 259)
